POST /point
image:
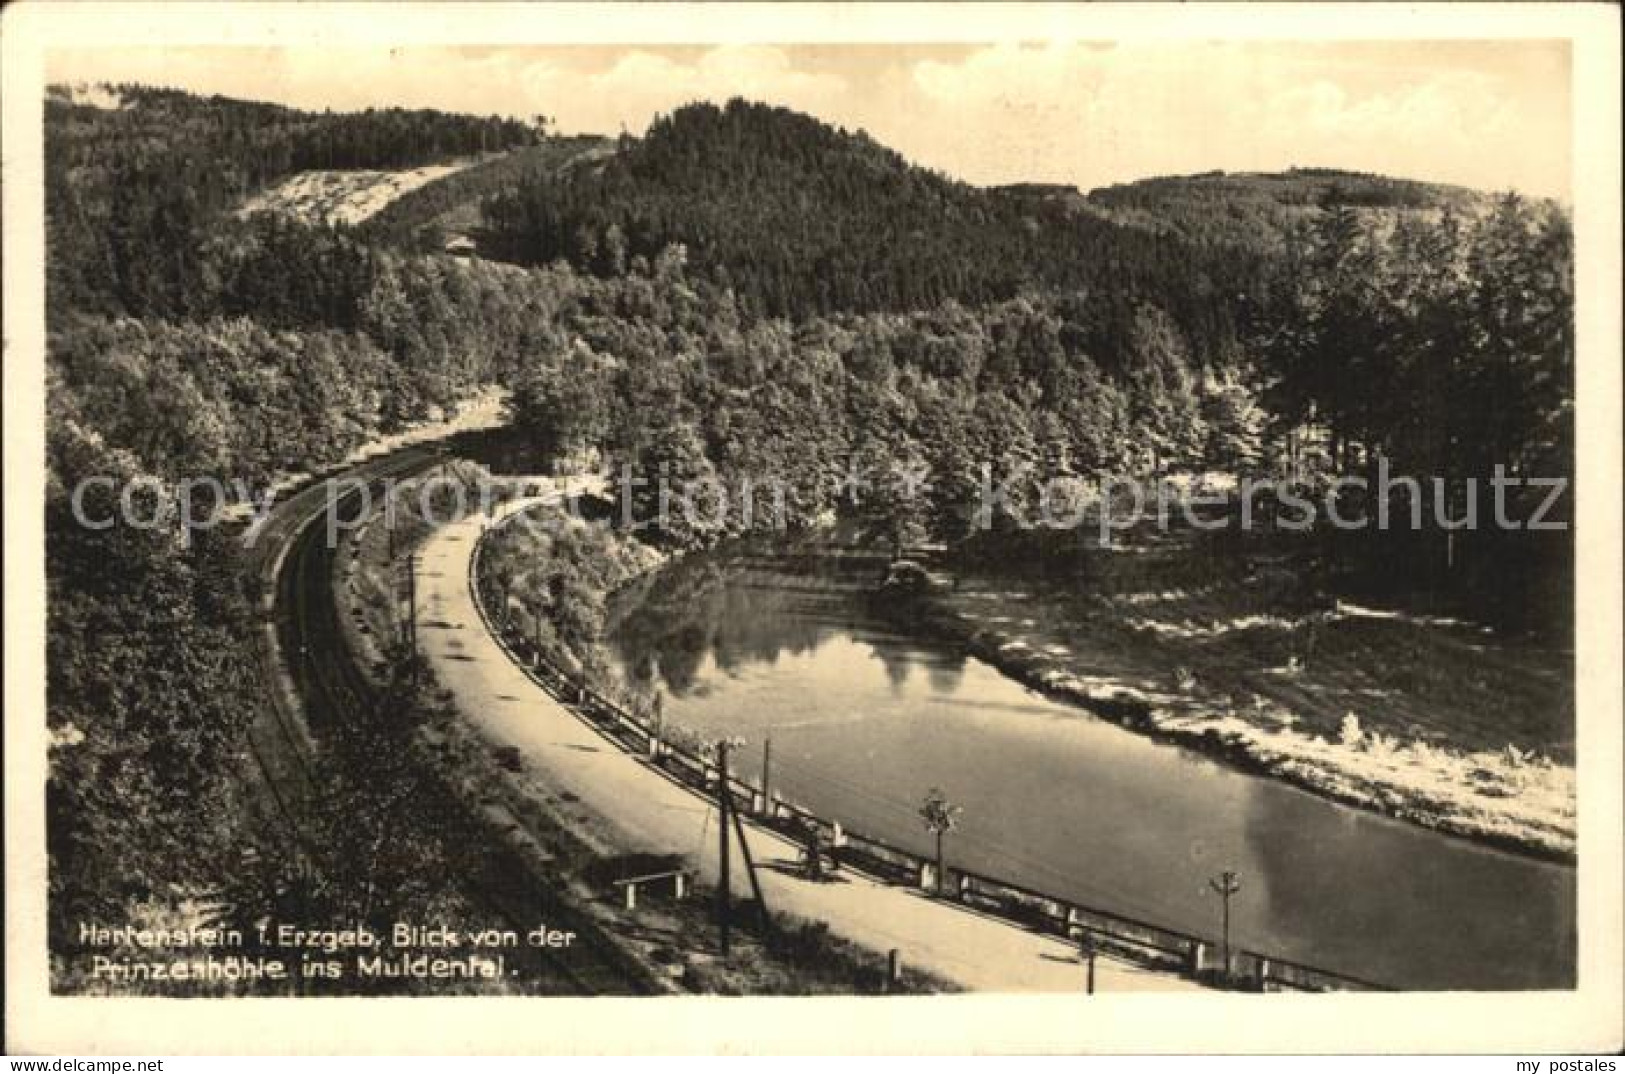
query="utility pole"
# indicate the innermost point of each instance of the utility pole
(722, 834)
(941, 817)
(1225, 885)
(750, 870)
(412, 609)
(1088, 947)
(767, 774)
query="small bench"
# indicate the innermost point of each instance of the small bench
(679, 878)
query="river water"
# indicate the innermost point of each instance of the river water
(864, 719)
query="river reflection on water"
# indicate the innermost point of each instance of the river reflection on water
(864, 720)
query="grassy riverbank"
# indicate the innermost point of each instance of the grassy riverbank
(1432, 720)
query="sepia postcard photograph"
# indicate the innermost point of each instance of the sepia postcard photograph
(1109, 515)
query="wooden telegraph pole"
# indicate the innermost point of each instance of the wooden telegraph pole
(1226, 884)
(728, 817)
(750, 871)
(412, 610)
(1088, 947)
(723, 908)
(767, 774)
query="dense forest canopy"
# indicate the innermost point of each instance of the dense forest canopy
(1260, 210)
(745, 292)
(421, 218)
(799, 218)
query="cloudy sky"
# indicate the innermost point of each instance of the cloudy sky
(1493, 115)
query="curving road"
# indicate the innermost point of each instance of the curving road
(647, 811)
(318, 687)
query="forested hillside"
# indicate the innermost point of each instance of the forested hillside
(1353, 306)
(744, 292)
(134, 187)
(799, 218)
(1262, 210)
(185, 343)
(422, 218)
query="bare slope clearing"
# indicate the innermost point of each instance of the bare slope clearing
(343, 197)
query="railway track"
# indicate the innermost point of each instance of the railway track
(320, 686)
(278, 741)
